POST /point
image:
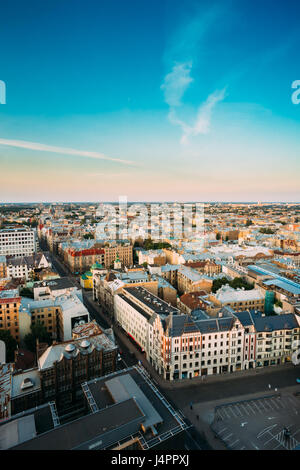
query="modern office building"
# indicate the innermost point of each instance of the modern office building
(18, 242)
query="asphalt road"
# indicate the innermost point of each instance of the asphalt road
(232, 387)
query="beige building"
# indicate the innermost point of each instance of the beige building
(189, 280)
(10, 302)
(238, 299)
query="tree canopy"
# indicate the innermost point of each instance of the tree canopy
(236, 283)
(10, 343)
(38, 331)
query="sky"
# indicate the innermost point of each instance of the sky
(155, 100)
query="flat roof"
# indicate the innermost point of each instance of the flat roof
(103, 398)
(124, 387)
(94, 431)
(151, 301)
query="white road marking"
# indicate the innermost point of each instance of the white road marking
(268, 429)
(231, 445)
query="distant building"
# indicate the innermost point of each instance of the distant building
(10, 302)
(17, 242)
(238, 299)
(80, 260)
(24, 267)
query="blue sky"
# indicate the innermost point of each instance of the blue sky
(160, 100)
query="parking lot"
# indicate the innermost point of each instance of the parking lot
(268, 423)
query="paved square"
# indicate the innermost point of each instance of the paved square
(259, 424)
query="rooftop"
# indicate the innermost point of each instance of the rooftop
(118, 415)
(150, 301)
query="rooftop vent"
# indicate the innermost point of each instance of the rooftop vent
(85, 344)
(27, 383)
(70, 348)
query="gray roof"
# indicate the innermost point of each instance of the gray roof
(123, 388)
(150, 300)
(261, 323)
(95, 431)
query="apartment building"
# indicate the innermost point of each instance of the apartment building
(208, 267)
(106, 286)
(273, 339)
(124, 251)
(25, 266)
(190, 280)
(10, 302)
(3, 271)
(153, 257)
(238, 299)
(180, 346)
(17, 242)
(62, 368)
(192, 301)
(80, 260)
(58, 314)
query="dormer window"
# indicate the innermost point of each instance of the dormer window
(27, 383)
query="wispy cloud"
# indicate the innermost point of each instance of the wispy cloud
(202, 123)
(183, 50)
(176, 83)
(62, 150)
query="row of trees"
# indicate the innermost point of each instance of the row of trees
(149, 244)
(236, 283)
(266, 230)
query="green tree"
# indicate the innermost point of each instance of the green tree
(266, 230)
(10, 343)
(26, 292)
(38, 331)
(88, 236)
(236, 283)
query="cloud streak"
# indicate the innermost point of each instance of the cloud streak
(176, 83)
(62, 150)
(203, 120)
(183, 51)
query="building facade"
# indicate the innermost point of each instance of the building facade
(179, 346)
(17, 242)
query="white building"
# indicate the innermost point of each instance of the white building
(24, 266)
(18, 242)
(180, 346)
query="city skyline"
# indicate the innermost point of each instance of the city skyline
(150, 100)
